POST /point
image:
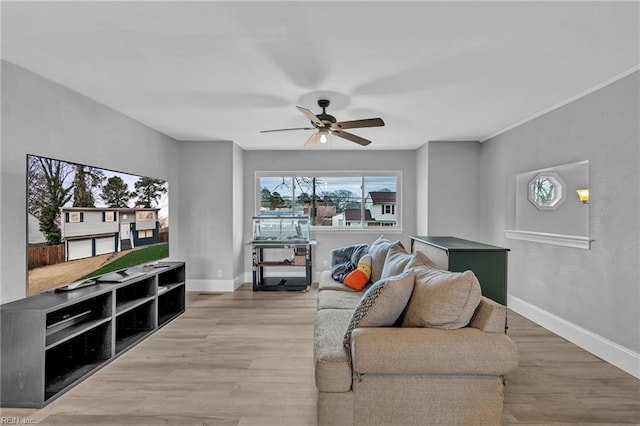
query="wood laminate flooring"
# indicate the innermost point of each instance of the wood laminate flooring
(246, 359)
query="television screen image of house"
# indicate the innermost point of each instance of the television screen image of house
(84, 221)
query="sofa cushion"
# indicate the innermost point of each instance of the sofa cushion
(396, 261)
(382, 304)
(378, 251)
(359, 277)
(441, 299)
(332, 360)
(328, 283)
(419, 260)
(336, 299)
(422, 350)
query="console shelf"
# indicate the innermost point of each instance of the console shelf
(69, 333)
(298, 260)
(52, 341)
(74, 359)
(132, 304)
(171, 291)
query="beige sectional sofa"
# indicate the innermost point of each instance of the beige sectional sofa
(440, 361)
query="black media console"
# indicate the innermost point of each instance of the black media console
(52, 341)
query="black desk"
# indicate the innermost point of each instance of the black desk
(488, 263)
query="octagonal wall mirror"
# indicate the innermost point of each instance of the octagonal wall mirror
(546, 191)
(546, 203)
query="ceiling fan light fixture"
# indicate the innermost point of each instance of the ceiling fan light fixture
(324, 135)
(326, 124)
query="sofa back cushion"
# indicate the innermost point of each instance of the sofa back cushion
(378, 251)
(382, 304)
(440, 298)
(396, 261)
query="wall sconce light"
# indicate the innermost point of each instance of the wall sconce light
(583, 195)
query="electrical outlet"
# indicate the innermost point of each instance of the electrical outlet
(219, 273)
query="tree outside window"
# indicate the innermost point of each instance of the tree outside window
(332, 201)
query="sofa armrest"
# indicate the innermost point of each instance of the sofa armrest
(489, 316)
(393, 350)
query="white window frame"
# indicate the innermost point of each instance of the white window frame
(340, 173)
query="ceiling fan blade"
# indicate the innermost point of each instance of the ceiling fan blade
(351, 137)
(286, 130)
(312, 141)
(311, 116)
(368, 122)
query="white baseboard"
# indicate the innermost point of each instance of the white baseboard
(613, 353)
(214, 285)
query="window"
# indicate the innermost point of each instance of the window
(74, 217)
(148, 233)
(109, 216)
(546, 191)
(145, 215)
(332, 200)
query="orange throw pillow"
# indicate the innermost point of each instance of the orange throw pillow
(359, 277)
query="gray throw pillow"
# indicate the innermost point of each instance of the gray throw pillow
(396, 261)
(378, 251)
(382, 304)
(419, 260)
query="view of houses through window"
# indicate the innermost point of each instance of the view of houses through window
(332, 200)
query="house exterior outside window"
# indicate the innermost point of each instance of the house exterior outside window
(382, 205)
(332, 200)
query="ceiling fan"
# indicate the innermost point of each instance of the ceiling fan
(326, 124)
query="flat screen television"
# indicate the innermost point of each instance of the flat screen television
(85, 221)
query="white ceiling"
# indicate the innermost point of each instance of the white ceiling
(226, 70)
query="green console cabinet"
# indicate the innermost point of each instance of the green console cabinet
(488, 263)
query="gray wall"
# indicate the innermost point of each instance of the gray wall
(44, 118)
(597, 290)
(209, 224)
(422, 190)
(239, 215)
(453, 172)
(339, 161)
